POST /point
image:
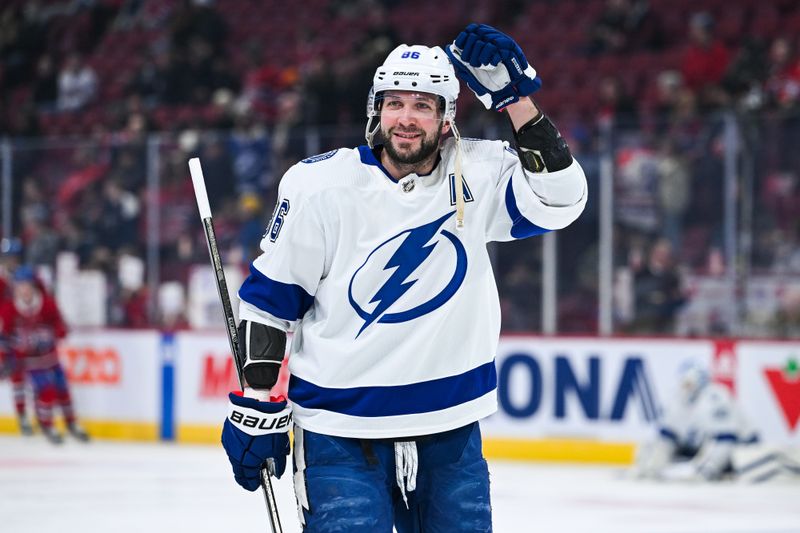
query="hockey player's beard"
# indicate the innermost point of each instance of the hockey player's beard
(413, 159)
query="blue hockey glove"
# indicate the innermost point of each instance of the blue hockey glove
(492, 65)
(254, 432)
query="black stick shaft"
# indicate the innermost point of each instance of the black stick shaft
(230, 321)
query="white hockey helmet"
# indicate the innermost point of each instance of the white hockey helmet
(414, 68)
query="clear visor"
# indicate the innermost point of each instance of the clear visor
(421, 106)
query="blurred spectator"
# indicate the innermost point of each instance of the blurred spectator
(521, 288)
(45, 84)
(223, 76)
(288, 139)
(41, 242)
(783, 82)
(783, 95)
(319, 99)
(746, 74)
(77, 84)
(119, 219)
(217, 169)
(153, 79)
(577, 306)
(87, 171)
(128, 304)
(673, 191)
(128, 166)
(22, 37)
(251, 225)
(668, 87)
(22, 122)
(172, 306)
(519, 277)
(705, 216)
(616, 108)
(199, 82)
(129, 14)
(625, 25)
(635, 187)
(705, 60)
(780, 198)
(75, 239)
(34, 204)
(198, 20)
(250, 151)
(262, 82)
(658, 291)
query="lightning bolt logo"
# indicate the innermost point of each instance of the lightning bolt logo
(408, 256)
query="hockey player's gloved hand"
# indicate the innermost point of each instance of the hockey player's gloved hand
(492, 65)
(254, 432)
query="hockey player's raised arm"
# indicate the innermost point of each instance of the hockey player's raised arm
(546, 188)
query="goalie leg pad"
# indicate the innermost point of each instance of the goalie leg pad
(262, 347)
(541, 147)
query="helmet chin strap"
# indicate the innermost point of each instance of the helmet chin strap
(370, 135)
(459, 182)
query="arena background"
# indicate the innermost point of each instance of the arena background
(685, 115)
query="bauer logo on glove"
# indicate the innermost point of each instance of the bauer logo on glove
(267, 424)
(492, 65)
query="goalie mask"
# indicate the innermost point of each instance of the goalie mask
(413, 68)
(693, 377)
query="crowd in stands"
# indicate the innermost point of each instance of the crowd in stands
(86, 84)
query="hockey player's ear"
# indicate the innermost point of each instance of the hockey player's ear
(445, 127)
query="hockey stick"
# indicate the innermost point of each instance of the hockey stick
(230, 322)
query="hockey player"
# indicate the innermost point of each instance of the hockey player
(698, 434)
(10, 364)
(376, 259)
(32, 324)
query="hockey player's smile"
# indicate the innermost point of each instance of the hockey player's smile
(411, 135)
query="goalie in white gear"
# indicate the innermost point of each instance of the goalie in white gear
(376, 259)
(698, 434)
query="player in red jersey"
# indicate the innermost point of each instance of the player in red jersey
(10, 365)
(33, 325)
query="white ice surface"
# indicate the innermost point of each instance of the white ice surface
(122, 488)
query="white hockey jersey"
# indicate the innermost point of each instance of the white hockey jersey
(395, 313)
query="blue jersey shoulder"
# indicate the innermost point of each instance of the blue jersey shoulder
(319, 157)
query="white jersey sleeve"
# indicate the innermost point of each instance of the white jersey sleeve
(283, 279)
(528, 204)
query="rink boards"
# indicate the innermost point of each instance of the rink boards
(560, 398)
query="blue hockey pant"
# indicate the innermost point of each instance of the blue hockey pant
(350, 485)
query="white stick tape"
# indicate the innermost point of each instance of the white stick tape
(200, 193)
